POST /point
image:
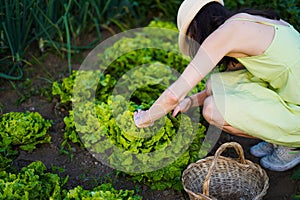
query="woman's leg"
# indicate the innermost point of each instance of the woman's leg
(274, 157)
(214, 117)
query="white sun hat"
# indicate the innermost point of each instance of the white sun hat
(186, 13)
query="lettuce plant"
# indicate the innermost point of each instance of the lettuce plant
(130, 82)
(23, 129)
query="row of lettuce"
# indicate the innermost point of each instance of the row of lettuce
(128, 76)
(24, 131)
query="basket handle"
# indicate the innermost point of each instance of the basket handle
(238, 148)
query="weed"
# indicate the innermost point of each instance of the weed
(296, 175)
(58, 170)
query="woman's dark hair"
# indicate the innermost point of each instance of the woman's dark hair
(210, 17)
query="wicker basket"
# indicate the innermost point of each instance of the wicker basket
(219, 177)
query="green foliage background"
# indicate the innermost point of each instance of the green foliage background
(57, 25)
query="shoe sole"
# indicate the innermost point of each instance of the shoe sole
(285, 167)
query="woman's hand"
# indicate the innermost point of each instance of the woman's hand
(183, 106)
(142, 119)
(195, 100)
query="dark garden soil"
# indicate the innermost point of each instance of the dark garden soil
(83, 169)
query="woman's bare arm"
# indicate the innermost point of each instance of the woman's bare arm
(213, 49)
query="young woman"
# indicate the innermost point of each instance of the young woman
(258, 96)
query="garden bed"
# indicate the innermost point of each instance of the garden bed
(81, 167)
(46, 56)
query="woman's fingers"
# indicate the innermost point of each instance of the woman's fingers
(183, 106)
(176, 111)
(139, 119)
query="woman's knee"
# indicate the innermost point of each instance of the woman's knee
(207, 110)
(211, 113)
(208, 87)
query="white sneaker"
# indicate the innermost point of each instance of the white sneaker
(282, 159)
(262, 149)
